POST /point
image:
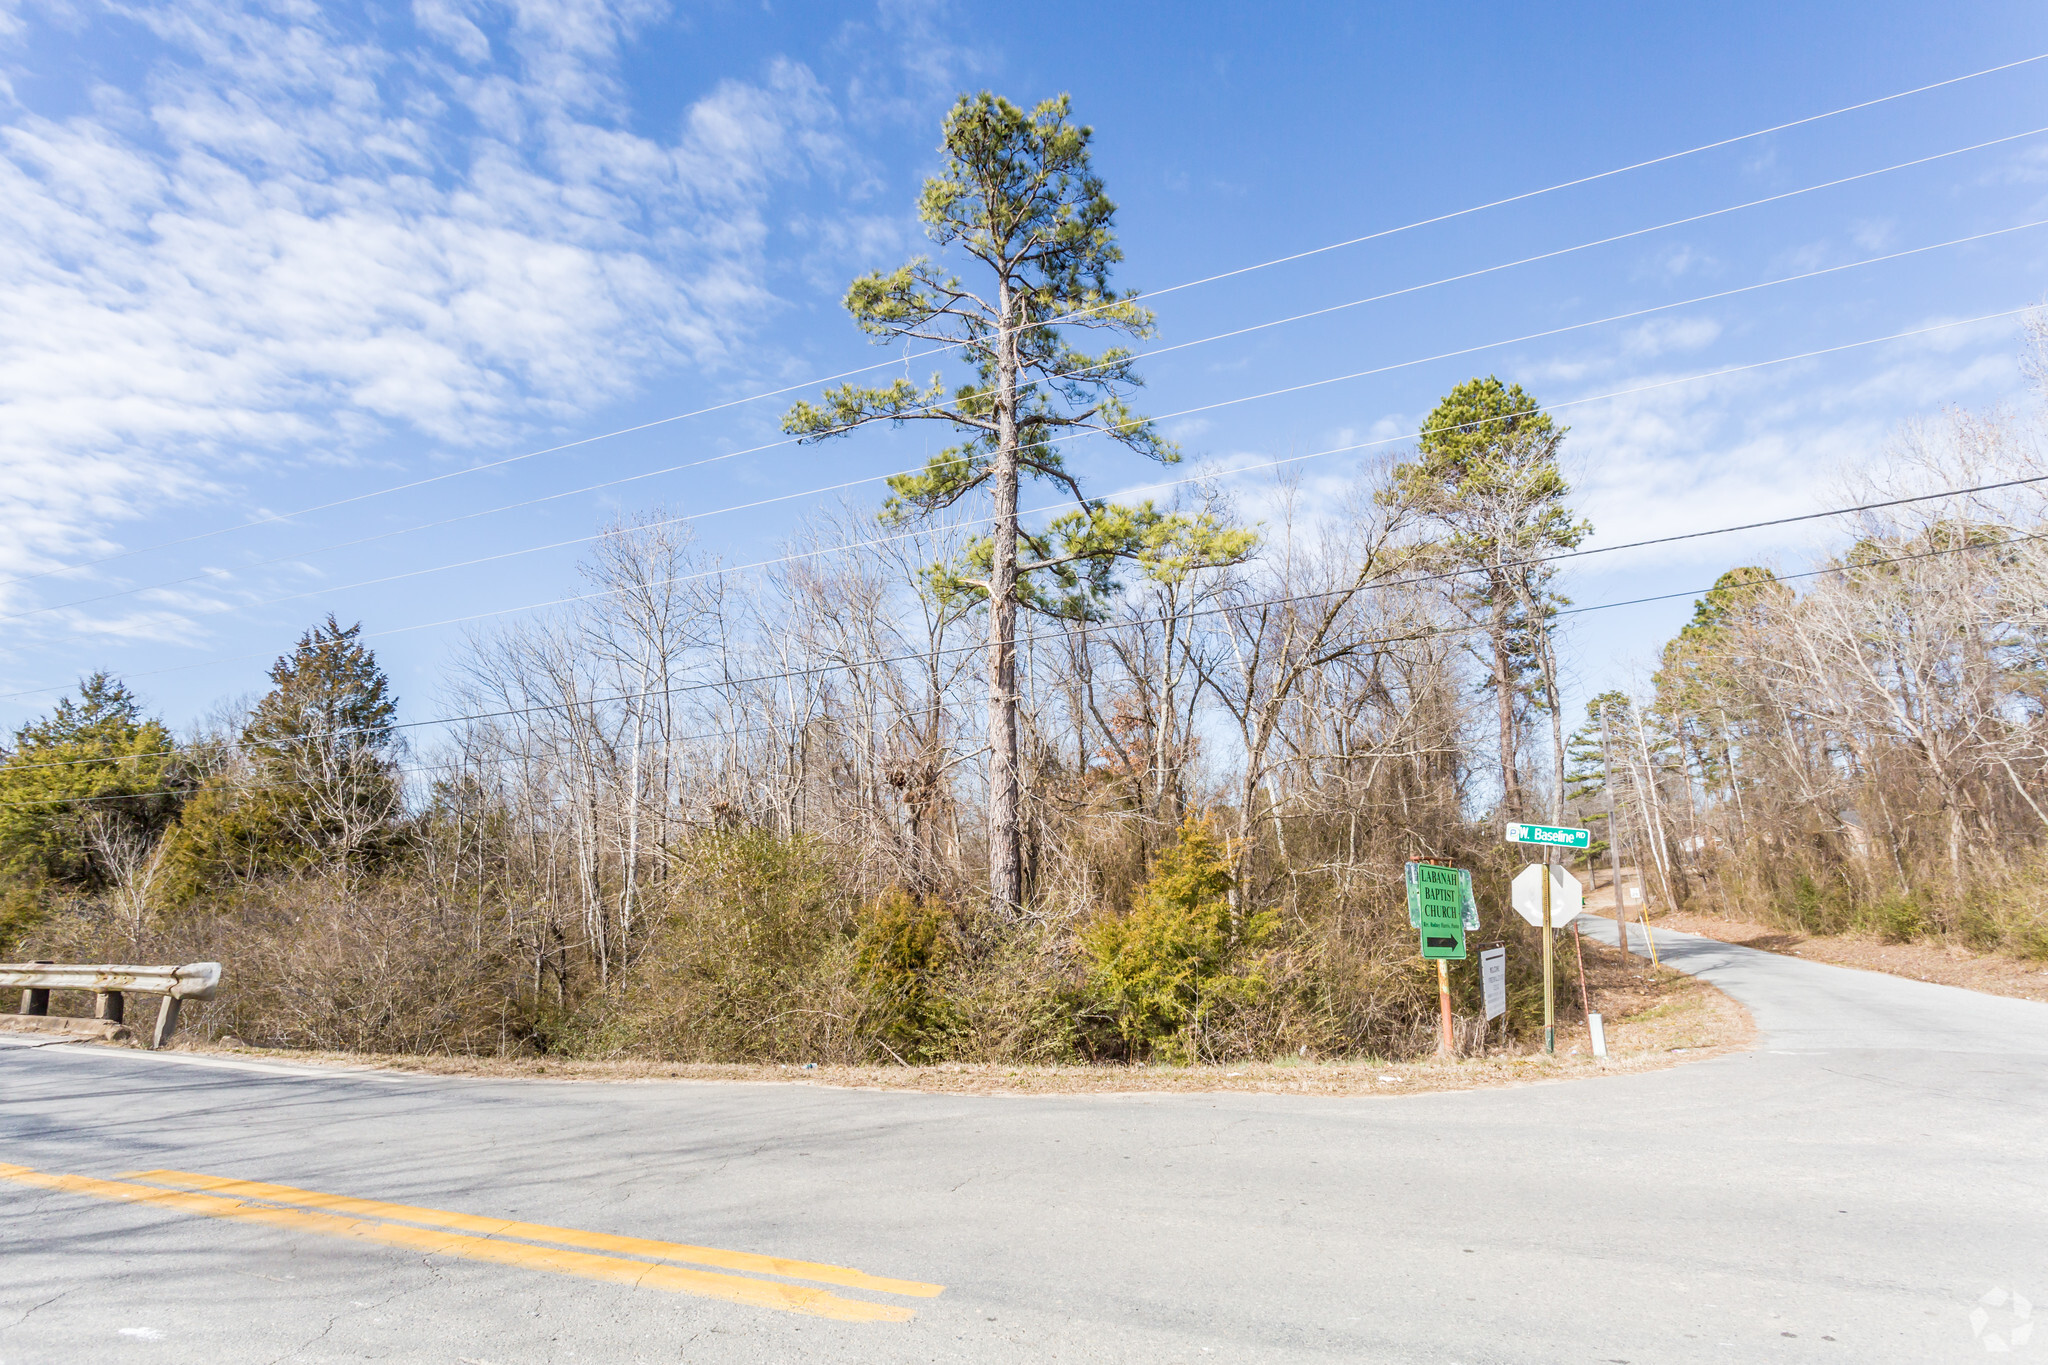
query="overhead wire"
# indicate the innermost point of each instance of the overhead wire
(1065, 318)
(1342, 449)
(214, 575)
(1162, 483)
(1433, 632)
(1856, 509)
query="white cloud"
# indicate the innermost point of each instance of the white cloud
(904, 63)
(1662, 336)
(848, 244)
(1874, 234)
(2026, 167)
(1767, 443)
(1677, 261)
(292, 238)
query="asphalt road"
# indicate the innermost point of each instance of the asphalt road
(1851, 1191)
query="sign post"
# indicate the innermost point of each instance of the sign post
(1436, 907)
(1549, 974)
(1549, 836)
(1446, 1042)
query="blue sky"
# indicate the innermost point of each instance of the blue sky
(255, 259)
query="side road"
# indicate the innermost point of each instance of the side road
(1797, 1003)
(1948, 963)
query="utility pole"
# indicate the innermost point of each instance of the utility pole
(1613, 842)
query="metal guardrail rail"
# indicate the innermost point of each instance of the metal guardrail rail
(111, 985)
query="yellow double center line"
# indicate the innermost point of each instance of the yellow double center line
(502, 1241)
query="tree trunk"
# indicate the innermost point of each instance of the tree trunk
(1547, 656)
(1005, 854)
(1510, 789)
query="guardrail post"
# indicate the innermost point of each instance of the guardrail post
(110, 1006)
(33, 1000)
(166, 1020)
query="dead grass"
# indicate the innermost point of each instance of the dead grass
(1655, 1018)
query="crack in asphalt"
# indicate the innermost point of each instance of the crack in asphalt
(1892, 1083)
(425, 1263)
(32, 1308)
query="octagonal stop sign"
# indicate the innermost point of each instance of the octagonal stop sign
(1566, 899)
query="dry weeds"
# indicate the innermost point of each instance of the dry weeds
(1655, 1018)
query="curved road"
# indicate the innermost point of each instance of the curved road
(1850, 1191)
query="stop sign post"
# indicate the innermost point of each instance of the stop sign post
(1549, 836)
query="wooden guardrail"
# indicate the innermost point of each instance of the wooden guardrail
(111, 985)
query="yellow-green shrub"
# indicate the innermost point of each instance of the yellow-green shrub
(902, 947)
(1160, 973)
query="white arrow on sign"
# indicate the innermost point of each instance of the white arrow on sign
(1566, 899)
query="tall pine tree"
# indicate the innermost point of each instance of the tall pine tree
(1018, 195)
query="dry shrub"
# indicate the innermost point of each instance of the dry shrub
(764, 948)
(2006, 907)
(754, 960)
(324, 964)
(2001, 904)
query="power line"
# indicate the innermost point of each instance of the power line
(1411, 581)
(1603, 175)
(924, 409)
(1334, 450)
(1208, 407)
(1070, 317)
(1428, 633)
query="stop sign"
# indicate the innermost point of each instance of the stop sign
(1566, 899)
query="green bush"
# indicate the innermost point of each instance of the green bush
(902, 947)
(22, 908)
(1896, 918)
(1818, 908)
(2005, 907)
(1181, 956)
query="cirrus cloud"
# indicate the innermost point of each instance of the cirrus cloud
(301, 231)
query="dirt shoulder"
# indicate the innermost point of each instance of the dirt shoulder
(1655, 1018)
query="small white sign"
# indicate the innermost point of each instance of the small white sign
(1599, 1031)
(1632, 894)
(1493, 981)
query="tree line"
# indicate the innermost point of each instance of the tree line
(1863, 748)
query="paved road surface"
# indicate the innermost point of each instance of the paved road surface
(1847, 1192)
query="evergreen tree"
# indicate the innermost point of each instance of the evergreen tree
(93, 756)
(322, 737)
(1699, 681)
(93, 772)
(318, 784)
(1017, 194)
(1486, 471)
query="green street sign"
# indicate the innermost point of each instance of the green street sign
(1554, 836)
(1436, 907)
